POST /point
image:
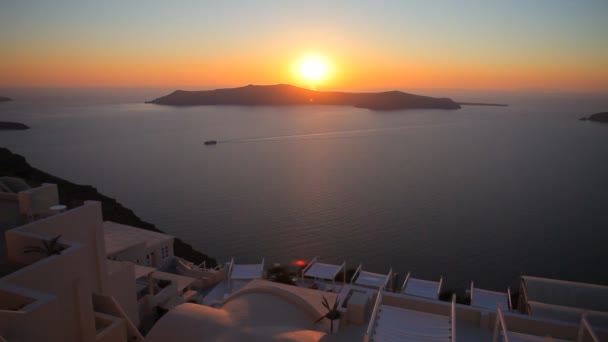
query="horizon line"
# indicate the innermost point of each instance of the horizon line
(203, 87)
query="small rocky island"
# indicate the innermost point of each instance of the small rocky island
(597, 117)
(12, 126)
(286, 95)
(5, 99)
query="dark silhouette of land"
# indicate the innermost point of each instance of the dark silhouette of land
(482, 104)
(284, 94)
(13, 126)
(5, 99)
(73, 195)
(598, 117)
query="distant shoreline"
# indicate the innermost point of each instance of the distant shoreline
(597, 117)
(483, 104)
(12, 126)
(288, 95)
(5, 99)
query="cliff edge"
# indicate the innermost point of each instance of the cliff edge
(73, 195)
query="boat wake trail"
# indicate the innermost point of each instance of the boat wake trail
(323, 135)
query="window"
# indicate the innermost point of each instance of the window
(165, 252)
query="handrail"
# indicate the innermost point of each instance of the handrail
(352, 279)
(262, 268)
(500, 321)
(131, 328)
(471, 292)
(509, 297)
(453, 318)
(372, 320)
(389, 278)
(585, 326)
(407, 277)
(229, 275)
(523, 292)
(342, 268)
(231, 264)
(440, 283)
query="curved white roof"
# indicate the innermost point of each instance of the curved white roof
(249, 316)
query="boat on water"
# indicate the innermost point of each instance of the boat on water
(211, 142)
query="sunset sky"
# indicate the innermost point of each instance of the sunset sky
(366, 45)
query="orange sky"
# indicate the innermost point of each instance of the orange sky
(368, 48)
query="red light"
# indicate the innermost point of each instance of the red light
(300, 263)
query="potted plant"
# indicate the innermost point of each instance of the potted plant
(332, 315)
(48, 248)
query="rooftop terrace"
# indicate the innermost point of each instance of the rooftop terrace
(119, 237)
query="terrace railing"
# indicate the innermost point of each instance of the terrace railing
(471, 291)
(500, 325)
(522, 302)
(352, 279)
(585, 327)
(372, 320)
(407, 277)
(389, 279)
(453, 319)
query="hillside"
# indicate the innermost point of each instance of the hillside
(73, 195)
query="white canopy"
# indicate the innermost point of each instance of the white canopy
(422, 288)
(490, 299)
(370, 279)
(322, 271)
(245, 271)
(568, 314)
(565, 293)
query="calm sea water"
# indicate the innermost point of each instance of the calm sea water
(483, 193)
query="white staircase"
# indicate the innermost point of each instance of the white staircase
(397, 324)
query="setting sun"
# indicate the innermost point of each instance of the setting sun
(313, 68)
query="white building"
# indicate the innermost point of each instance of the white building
(68, 290)
(140, 246)
(70, 295)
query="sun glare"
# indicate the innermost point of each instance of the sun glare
(313, 68)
